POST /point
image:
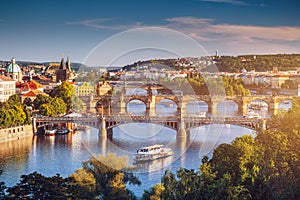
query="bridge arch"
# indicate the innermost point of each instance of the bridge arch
(228, 107)
(196, 106)
(170, 125)
(136, 106)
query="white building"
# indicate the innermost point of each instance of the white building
(7, 88)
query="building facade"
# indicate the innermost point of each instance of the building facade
(7, 88)
(84, 88)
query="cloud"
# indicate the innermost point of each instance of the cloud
(238, 39)
(229, 37)
(206, 29)
(233, 2)
(105, 23)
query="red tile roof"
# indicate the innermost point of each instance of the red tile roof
(5, 78)
(30, 85)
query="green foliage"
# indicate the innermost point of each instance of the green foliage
(76, 103)
(14, 100)
(54, 107)
(282, 62)
(12, 112)
(216, 86)
(65, 91)
(155, 192)
(2, 188)
(27, 102)
(103, 176)
(40, 100)
(37, 186)
(267, 167)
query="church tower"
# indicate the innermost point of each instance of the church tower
(64, 71)
(13, 71)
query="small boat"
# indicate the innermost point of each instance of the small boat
(50, 132)
(62, 131)
(153, 152)
(257, 105)
(286, 102)
(252, 115)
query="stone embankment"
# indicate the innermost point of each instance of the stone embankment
(15, 132)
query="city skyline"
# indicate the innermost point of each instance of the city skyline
(44, 31)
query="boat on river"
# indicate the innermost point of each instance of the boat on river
(153, 152)
(62, 131)
(252, 115)
(50, 132)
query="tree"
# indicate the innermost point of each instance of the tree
(58, 106)
(76, 103)
(2, 188)
(40, 100)
(37, 186)
(19, 116)
(155, 192)
(65, 91)
(47, 110)
(5, 118)
(27, 101)
(14, 100)
(108, 178)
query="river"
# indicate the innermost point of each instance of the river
(64, 154)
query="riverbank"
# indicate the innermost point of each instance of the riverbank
(15, 133)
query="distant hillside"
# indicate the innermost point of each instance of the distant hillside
(158, 64)
(281, 62)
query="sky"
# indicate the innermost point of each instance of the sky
(90, 31)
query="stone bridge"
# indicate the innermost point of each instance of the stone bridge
(118, 104)
(181, 125)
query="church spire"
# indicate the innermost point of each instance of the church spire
(62, 64)
(68, 64)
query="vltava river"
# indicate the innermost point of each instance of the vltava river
(64, 154)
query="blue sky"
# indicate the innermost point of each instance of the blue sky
(45, 30)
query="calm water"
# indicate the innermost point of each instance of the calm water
(64, 154)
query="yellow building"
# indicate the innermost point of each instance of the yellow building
(84, 88)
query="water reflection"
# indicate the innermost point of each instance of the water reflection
(64, 154)
(227, 108)
(196, 107)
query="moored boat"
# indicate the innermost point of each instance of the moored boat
(50, 132)
(153, 152)
(62, 131)
(252, 115)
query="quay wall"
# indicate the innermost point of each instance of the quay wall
(15, 133)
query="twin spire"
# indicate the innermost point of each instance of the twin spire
(65, 66)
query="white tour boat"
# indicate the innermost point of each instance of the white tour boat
(50, 132)
(152, 153)
(252, 115)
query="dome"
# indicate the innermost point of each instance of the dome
(13, 67)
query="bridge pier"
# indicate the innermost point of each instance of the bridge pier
(122, 104)
(152, 105)
(102, 130)
(181, 130)
(34, 128)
